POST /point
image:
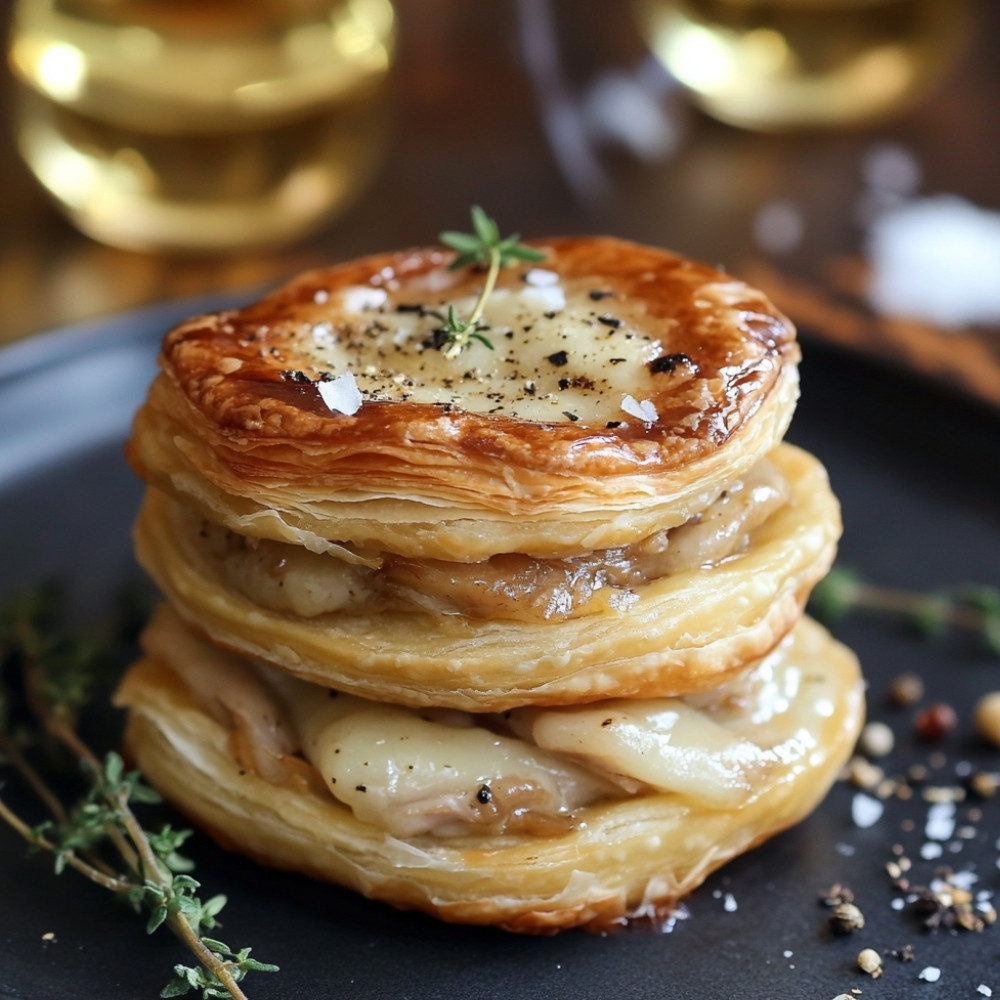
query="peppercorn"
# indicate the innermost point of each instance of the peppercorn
(870, 961)
(906, 690)
(847, 918)
(936, 721)
(987, 717)
(983, 784)
(877, 740)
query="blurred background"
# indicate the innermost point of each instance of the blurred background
(843, 154)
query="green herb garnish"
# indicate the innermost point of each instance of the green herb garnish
(483, 247)
(45, 680)
(974, 607)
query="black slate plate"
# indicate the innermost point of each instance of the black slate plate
(918, 473)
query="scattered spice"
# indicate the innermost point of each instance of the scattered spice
(669, 363)
(864, 774)
(870, 961)
(987, 717)
(846, 918)
(936, 721)
(947, 905)
(877, 740)
(835, 895)
(983, 784)
(906, 690)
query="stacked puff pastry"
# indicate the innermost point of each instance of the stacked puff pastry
(512, 636)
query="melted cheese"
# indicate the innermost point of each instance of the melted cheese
(714, 748)
(556, 354)
(444, 773)
(409, 774)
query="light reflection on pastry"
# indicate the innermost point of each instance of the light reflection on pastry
(564, 561)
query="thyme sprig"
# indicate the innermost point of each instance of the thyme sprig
(974, 607)
(47, 676)
(483, 247)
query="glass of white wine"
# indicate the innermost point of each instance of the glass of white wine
(201, 125)
(785, 64)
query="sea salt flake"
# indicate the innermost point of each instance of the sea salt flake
(931, 851)
(937, 259)
(358, 298)
(643, 409)
(321, 296)
(940, 823)
(865, 810)
(983, 989)
(540, 278)
(548, 298)
(729, 903)
(341, 394)
(930, 974)
(963, 880)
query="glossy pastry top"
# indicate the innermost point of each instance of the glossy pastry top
(606, 358)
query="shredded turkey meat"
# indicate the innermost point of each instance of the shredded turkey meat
(512, 586)
(414, 772)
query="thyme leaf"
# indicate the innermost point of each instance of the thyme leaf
(483, 247)
(47, 676)
(974, 607)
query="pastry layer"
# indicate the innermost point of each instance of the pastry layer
(680, 633)
(771, 743)
(622, 393)
(513, 586)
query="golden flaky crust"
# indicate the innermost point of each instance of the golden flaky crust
(687, 632)
(633, 857)
(523, 448)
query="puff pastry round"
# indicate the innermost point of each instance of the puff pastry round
(625, 388)
(685, 632)
(619, 857)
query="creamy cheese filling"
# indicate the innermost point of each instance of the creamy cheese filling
(557, 351)
(512, 586)
(414, 772)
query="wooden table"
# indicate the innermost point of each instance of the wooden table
(468, 129)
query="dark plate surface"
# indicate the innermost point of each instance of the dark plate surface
(918, 474)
